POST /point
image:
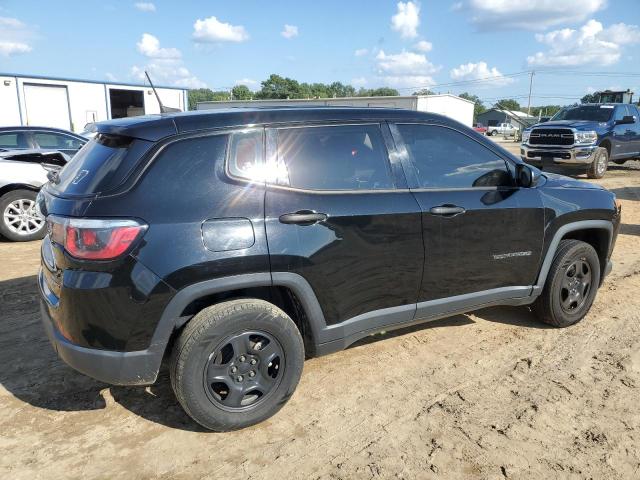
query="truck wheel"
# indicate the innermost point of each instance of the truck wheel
(236, 364)
(600, 163)
(20, 222)
(571, 284)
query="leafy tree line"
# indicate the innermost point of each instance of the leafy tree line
(277, 87)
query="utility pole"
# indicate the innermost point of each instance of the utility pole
(530, 87)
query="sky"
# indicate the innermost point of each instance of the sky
(485, 47)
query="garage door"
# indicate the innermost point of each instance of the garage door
(47, 106)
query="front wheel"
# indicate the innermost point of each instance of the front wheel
(20, 220)
(600, 164)
(236, 364)
(571, 284)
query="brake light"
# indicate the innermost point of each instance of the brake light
(95, 239)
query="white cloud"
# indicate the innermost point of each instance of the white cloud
(211, 30)
(165, 65)
(248, 82)
(145, 6)
(423, 46)
(359, 82)
(405, 69)
(289, 31)
(591, 44)
(528, 15)
(361, 52)
(15, 37)
(407, 19)
(149, 46)
(478, 71)
(111, 77)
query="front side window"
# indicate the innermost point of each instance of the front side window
(341, 157)
(445, 158)
(13, 140)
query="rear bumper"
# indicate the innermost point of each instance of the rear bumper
(117, 368)
(538, 155)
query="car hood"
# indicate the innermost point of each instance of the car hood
(577, 124)
(560, 181)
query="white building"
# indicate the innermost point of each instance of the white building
(71, 104)
(446, 104)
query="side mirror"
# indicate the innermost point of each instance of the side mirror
(527, 176)
(626, 120)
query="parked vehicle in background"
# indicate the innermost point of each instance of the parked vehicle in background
(584, 137)
(89, 131)
(23, 138)
(480, 128)
(240, 241)
(505, 129)
(22, 173)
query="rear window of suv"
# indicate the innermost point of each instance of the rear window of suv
(101, 165)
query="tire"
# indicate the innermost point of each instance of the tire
(18, 219)
(493, 133)
(230, 337)
(556, 305)
(600, 163)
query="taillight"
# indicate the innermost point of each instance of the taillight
(95, 239)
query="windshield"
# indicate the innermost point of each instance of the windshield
(592, 113)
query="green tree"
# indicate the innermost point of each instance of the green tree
(378, 92)
(199, 95)
(478, 106)
(241, 92)
(545, 110)
(591, 98)
(424, 91)
(508, 104)
(277, 87)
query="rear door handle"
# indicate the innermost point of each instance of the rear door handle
(303, 217)
(447, 210)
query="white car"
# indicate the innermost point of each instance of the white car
(22, 173)
(505, 129)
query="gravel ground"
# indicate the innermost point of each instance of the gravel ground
(492, 394)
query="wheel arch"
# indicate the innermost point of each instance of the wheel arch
(606, 144)
(10, 187)
(289, 291)
(597, 233)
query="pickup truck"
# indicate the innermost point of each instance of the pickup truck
(502, 129)
(584, 137)
(480, 128)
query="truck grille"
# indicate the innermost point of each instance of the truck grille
(551, 136)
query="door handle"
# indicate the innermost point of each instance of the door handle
(303, 217)
(447, 210)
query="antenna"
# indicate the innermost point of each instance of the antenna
(163, 109)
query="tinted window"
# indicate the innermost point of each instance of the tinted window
(245, 155)
(13, 140)
(57, 141)
(101, 165)
(592, 113)
(345, 157)
(445, 158)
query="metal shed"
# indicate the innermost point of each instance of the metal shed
(452, 106)
(71, 103)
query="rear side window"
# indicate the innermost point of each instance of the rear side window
(342, 157)
(101, 165)
(246, 155)
(445, 158)
(56, 141)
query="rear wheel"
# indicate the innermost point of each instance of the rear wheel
(236, 364)
(600, 164)
(20, 221)
(571, 284)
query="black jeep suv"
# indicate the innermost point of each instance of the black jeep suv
(237, 242)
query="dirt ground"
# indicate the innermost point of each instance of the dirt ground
(489, 395)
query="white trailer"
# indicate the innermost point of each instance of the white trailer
(452, 106)
(71, 104)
